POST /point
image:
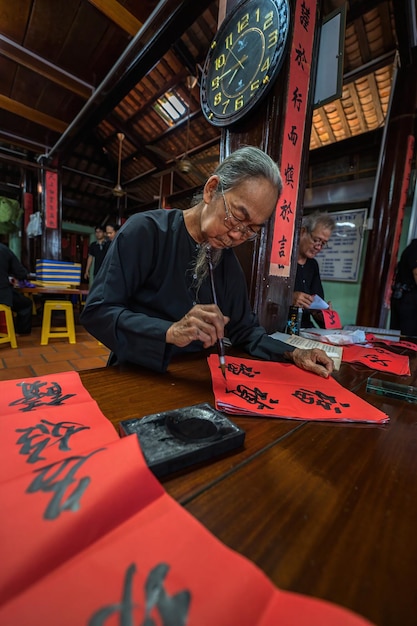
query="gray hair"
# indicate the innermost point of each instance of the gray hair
(318, 218)
(248, 162)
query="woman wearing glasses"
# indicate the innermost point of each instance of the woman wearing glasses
(316, 231)
(154, 298)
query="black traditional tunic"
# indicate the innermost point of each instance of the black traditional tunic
(307, 280)
(146, 284)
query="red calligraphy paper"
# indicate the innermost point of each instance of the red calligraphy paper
(401, 344)
(46, 392)
(52, 513)
(377, 359)
(159, 565)
(32, 439)
(331, 319)
(263, 388)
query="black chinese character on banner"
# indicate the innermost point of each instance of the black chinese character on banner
(37, 394)
(285, 210)
(282, 246)
(289, 175)
(36, 438)
(173, 610)
(253, 396)
(305, 16)
(297, 99)
(57, 478)
(300, 56)
(320, 399)
(373, 358)
(293, 135)
(240, 368)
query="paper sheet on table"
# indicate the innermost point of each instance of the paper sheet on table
(337, 337)
(334, 352)
(378, 359)
(70, 524)
(263, 388)
(148, 569)
(318, 304)
(397, 344)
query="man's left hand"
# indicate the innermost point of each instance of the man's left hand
(314, 360)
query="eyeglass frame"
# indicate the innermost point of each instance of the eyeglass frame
(317, 241)
(245, 231)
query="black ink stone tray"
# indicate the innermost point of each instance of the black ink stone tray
(176, 439)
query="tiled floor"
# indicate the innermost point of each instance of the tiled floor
(31, 359)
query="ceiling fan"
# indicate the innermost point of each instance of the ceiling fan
(117, 191)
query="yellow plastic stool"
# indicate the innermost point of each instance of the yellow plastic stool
(10, 335)
(48, 331)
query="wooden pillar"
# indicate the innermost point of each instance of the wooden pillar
(270, 293)
(389, 199)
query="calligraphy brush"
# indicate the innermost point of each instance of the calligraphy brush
(220, 342)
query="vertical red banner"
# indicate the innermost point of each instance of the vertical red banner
(51, 200)
(294, 128)
(28, 207)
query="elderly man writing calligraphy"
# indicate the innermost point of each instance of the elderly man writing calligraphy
(153, 297)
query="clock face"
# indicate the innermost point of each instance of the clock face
(244, 58)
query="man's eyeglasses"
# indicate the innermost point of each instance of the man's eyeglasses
(236, 225)
(318, 242)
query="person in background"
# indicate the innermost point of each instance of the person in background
(97, 250)
(404, 293)
(316, 230)
(10, 266)
(153, 297)
(111, 231)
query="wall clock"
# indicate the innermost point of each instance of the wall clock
(244, 59)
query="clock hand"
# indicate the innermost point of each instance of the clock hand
(240, 62)
(236, 65)
(233, 75)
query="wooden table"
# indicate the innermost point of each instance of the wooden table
(58, 290)
(324, 509)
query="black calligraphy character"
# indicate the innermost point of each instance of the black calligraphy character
(289, 175)
(332, 317)
(293, 135)
(297, 98)
(300, 56)
(305, 16)
(173, 610)
(34, 396)
(61, 475)
(286, 210)
(36, 438)
(241, 369)
(282, 244)
(374, 359)
(320, 399)
(253, 396)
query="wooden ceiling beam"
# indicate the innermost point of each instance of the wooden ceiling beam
(37, 64)
(120, 16)
(145, 50)
(13, 106)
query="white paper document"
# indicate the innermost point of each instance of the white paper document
(334, 352)
(318, 304)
